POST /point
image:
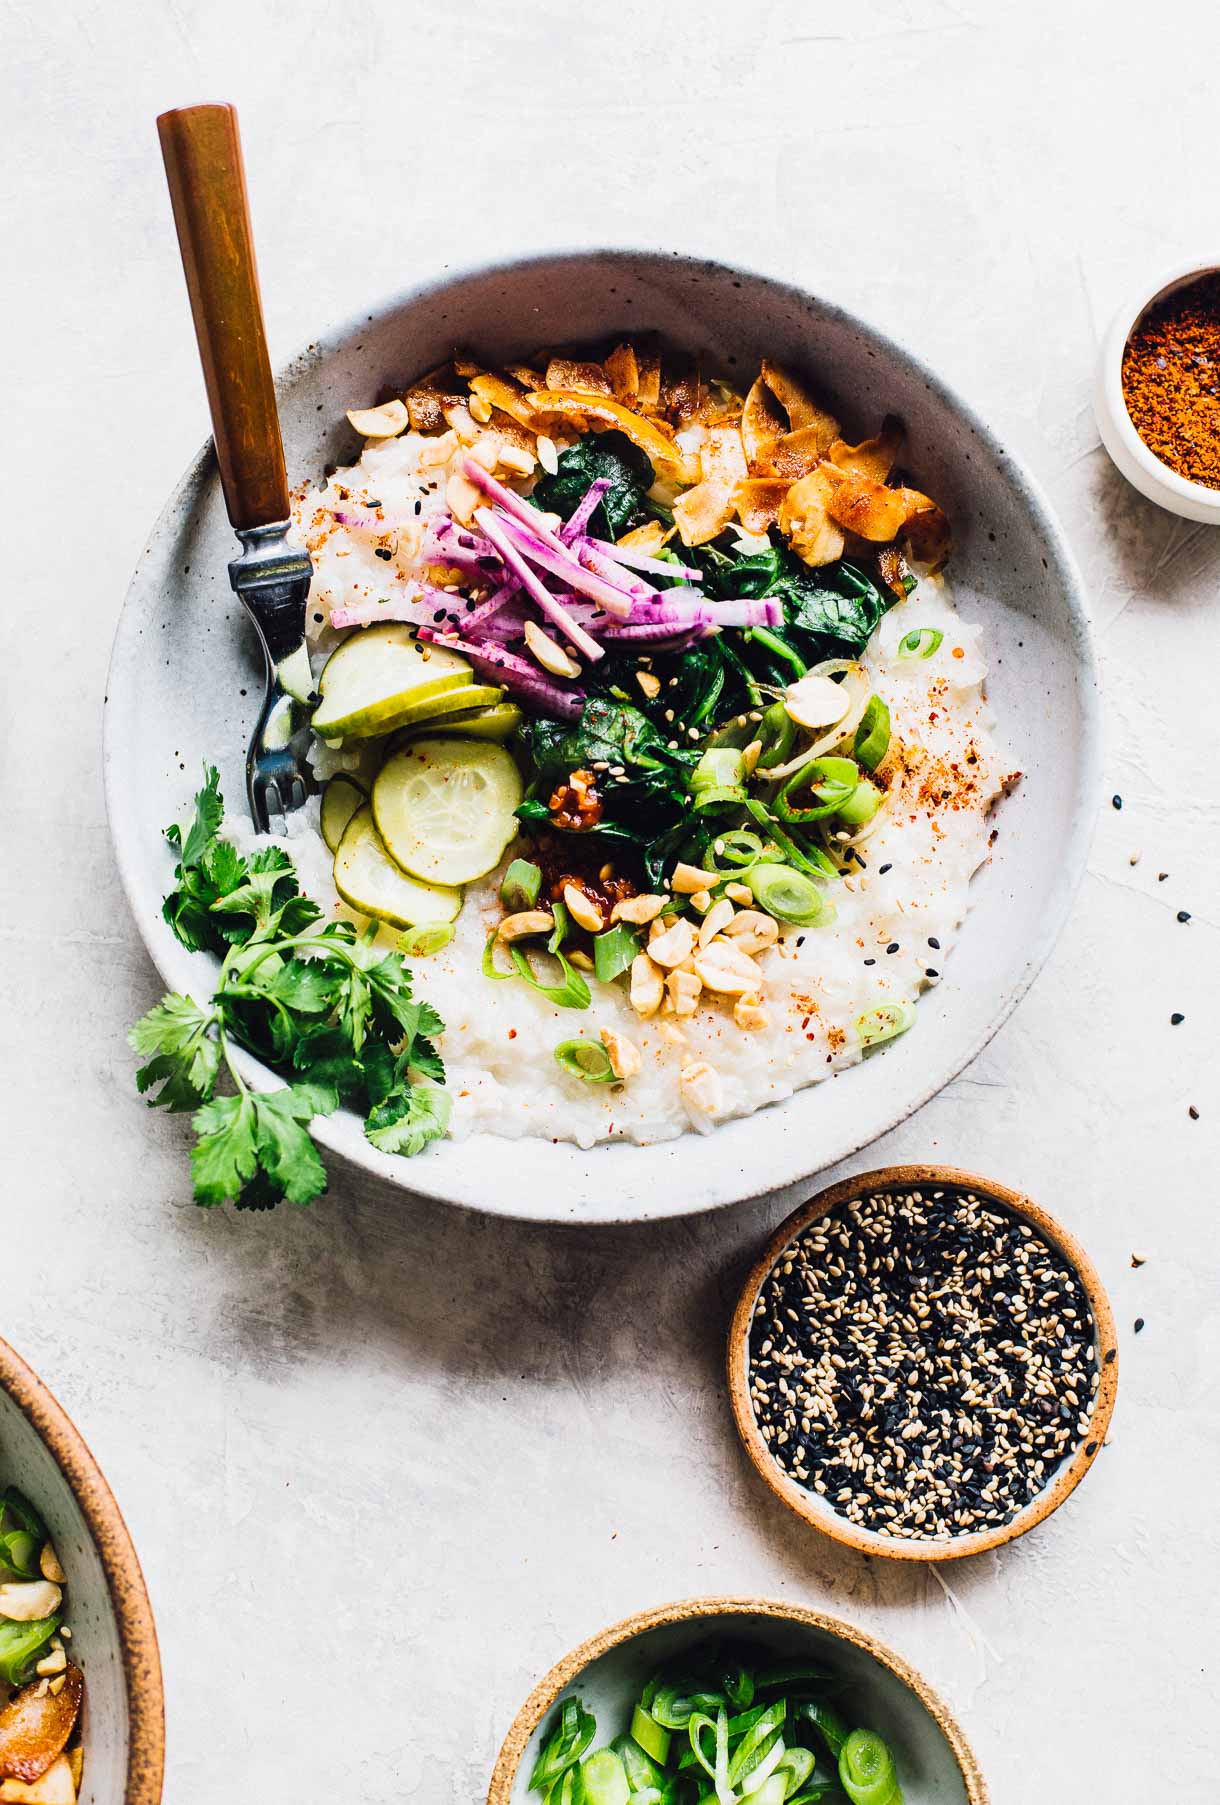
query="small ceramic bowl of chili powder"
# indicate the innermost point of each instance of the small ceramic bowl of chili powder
(1157, 399)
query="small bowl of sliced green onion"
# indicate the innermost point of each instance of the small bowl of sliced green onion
(734, 1700)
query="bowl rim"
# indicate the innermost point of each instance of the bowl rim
(690, 1610)
(1071, 1471)
(124, 1578)
(783, 1165)
(1175, 489)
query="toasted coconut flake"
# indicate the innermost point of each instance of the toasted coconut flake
(799, 405)
(721, 457)
(758, 502)
(682, 394)
(805, 518)
(648, 378)
(427, 399)
(762, 427)
(527, 377)
(873, 512)
(651, 438)
(874, 458)
(498, 393)
(927, 536)
(797, 453)
(649, 539)
(465, 366)
(577, 373)
(703, 512)
(624, 373)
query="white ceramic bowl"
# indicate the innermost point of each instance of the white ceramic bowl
(1140, 466)
(935, 1763)
(185, 675)
(113, 1638)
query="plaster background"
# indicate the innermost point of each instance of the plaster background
(385, 1462)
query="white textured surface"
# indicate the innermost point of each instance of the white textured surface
(385, 1462)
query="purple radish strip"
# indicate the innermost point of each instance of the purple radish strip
(514, 505)
(563, 565)
(491, 607)
(416, 608)
(657, 567)
(748, 611)
(515, 674)
(584, 510)
(550, 606)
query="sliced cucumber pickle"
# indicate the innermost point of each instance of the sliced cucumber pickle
(444, 807)
(499, 722)
(435, 716)
(340, 800)
(367, 879)
(382, 678)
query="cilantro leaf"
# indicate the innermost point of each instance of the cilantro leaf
(409, 1119)
(209, 813)
(425, 1058)
(225, 1156)
(285, 1151)
(270, 894)
(184, 1057)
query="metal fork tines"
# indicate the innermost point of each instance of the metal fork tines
(271, 580)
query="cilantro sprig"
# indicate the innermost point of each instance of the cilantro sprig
(330, 1010)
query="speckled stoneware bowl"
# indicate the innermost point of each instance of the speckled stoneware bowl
(113, 1637)
(1060, 1483)
(185, 677)
(934, 1760)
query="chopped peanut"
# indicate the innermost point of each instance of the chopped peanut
(687, 879)
(701, 900)
(583, 910)
(384, 422)
(647, 986)
(701, 1089)
(752, 931)
(740, 893)
(717, 917)
(649, 683)
(724, 968)
(684, 989)
(49, 1567)
(674, 945)
(749, 1014)
(623, 1054)
(580, 960)
(525, 923)
(462, 497)
(549, 653)
(637, 909)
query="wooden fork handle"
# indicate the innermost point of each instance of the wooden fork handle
(207, 185)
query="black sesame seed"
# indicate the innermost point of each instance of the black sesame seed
(870, 962)
(882, 869)
(892, 947)
(1139, 1323)
(381, 551)
(1183, 914)
(1192, 1112)
(1116, 801)
(1177, 1018)
(934, 943)
(930, 971)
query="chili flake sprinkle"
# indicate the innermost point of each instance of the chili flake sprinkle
(923, 1362)
(1171, 380)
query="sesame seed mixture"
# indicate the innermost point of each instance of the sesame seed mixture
(922, 1362)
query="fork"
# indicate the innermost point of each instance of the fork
(201, 149)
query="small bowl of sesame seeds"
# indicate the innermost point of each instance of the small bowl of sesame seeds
(922, 1363)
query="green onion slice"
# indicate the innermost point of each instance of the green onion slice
(777, 731)
(861, 805)
(422, 941)
(603, 1780)
(884, 1023)
(788, 895)
(866, 1770)
(872, 740)
(613, 952)
(718, 779)
(521, 886)
(920, 642)
(734, 851)
(490, 968)
(573, 993)
(826, 1721)
(566, 1744)
(640, 1767)
(811, 860)
(829, 782)
(798, 1763)
(586, 1059)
